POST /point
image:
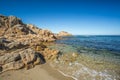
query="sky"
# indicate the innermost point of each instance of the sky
(79, 17)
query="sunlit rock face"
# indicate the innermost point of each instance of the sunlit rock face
(63, 33)
(21, 45)
(17, 55)
(11, 26)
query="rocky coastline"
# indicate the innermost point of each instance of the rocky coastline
(27, 49)
(22, 45)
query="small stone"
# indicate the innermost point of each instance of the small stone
(74, 54)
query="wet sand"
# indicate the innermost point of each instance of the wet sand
(39, 72)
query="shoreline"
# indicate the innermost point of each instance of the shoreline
(67, 75)
(43, 72)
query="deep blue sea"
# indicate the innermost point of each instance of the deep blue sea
(111, 43)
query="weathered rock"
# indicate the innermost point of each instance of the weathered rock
(28, 56)
(33, 28)
(39, 47)
(13, 21)
(63, 33)
(31, 58)
(1, 69)
(12, 65)
(8, 45)
(20, 44)
(50, 54)
(38, 60)
(2, 46)
(7, 58)
(15, 45)
(3, 43)
(12, 26)
(46, 35)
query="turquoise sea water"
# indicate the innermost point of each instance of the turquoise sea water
(111, 43)
(107, 47)
(99, 57)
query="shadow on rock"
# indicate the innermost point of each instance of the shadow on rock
(41, 57)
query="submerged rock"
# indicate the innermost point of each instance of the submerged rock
(75, 55)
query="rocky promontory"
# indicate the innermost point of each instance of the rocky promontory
(22, 45)
(64, 33)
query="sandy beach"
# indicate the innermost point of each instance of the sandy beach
(39, 72)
